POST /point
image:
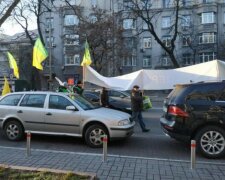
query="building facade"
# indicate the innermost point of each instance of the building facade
(21, 49)
(200, 38)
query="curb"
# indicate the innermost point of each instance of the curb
(92, 176)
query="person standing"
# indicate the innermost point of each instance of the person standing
(104, 98)
(136, 107)
(78, 88)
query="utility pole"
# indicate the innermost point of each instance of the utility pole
(113, 37)
(50, 46)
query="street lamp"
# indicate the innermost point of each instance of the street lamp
(50, 45)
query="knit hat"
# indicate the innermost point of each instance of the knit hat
(136, 86)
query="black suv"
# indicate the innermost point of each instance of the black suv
(197, 111)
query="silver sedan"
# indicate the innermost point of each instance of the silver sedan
(61, 114)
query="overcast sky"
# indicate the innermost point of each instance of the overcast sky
(10, 27)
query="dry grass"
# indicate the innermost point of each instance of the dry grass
(15, 174)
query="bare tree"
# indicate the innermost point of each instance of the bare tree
(103, 35)
(6, 8)
(142, 9)
(104, 38)
(31, 8)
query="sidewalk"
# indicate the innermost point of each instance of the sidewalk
(116, 167)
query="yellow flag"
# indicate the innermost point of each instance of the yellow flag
(87, 57)
(6, 88)
(13, 65)
(39, 54)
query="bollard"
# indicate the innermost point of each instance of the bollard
(193, 153)
(28, 143)
(105, 141)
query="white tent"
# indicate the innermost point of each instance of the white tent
(160, 79)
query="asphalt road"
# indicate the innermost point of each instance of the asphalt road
(153, 144)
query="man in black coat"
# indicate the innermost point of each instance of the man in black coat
(136, 106)
(104, 97)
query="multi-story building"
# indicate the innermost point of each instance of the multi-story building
(62, 36)
(200, 38)
(21, 49)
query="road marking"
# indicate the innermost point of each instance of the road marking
(112, 155)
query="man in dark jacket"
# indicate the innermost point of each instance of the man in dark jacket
(104, 98)
(136, 106)
(78, 88)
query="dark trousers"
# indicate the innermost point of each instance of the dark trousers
(137, 116)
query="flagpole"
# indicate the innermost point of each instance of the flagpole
(83, 74)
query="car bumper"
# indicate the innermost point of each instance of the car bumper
(122, 132)
(169, 128)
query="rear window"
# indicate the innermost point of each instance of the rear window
(177, 91)
(206, 92)
(11, 100)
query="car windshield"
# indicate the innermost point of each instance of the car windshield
(83, 103)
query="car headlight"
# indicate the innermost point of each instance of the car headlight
(123, 122)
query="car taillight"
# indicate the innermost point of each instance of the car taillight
(176, 111)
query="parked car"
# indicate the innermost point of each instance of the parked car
(118, 100)
(197, 111)
(61, 114)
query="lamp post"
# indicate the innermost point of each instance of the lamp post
(113, 37)
(50, 46)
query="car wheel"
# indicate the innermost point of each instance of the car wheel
(211, 141)
(13, 130)
(94, 135)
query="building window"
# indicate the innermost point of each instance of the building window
(130, 42)
(147, 61)
(73, 2)
(224, 17)
(186, 59)
(93, 19)
(166, 22)
(205, 38)
(165, 61)
(71, 20)
(207, 56)
(94, 3)
(167, 41)
(144, 25)
(147, 42)
(166, 3)
(49, 41)
(129, 24)
(186, 40)
(208, 1)
(128, 5)
(208, 17)
(185, 20)
(72, 59)
(71, 39)
(130, 61)
(146, 4)
(49, 23)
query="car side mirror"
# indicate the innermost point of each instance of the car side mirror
(71, 108)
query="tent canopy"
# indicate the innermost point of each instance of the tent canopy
(159, 79)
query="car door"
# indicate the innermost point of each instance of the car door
(31, 111)
(60, 120)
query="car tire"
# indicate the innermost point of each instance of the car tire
(211, 141)
(94, 135)
(13, 130)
